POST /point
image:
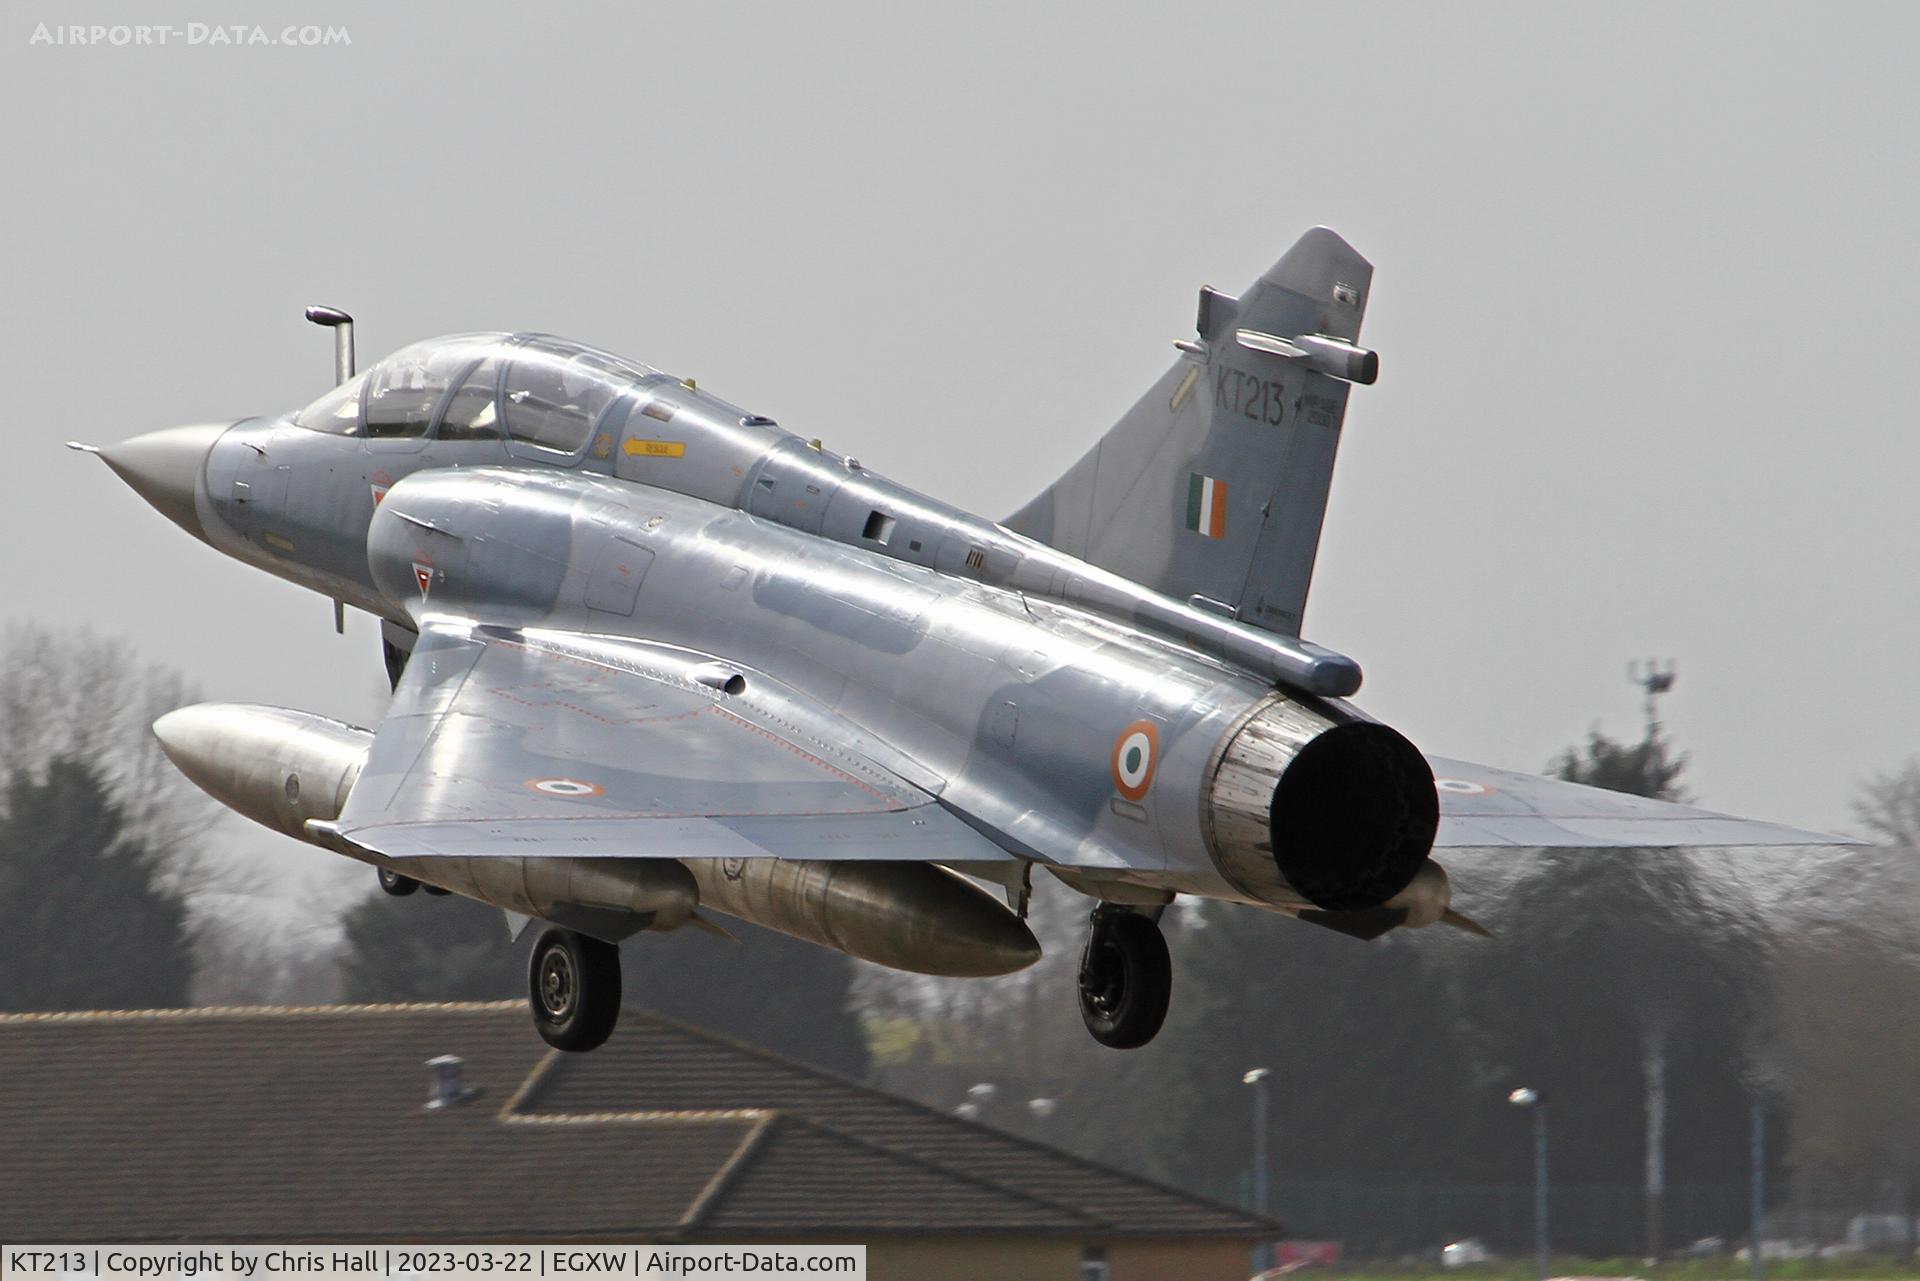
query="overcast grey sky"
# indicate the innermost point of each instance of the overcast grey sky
(1647, 298)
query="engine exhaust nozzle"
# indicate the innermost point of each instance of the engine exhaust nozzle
(1313, 804)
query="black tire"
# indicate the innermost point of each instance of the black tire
(397, 885)
(1126, 980)
(573, 987)
(435, 890)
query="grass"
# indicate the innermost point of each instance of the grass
(1862, 1267)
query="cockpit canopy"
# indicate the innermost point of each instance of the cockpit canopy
(533, 389)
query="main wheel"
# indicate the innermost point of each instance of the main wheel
(574, 988)
(396, 884)
(1126, 979)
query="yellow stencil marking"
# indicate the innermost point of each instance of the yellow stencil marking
(655, 448)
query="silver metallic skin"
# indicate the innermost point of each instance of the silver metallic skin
(906, 916)
(1329, 356)
(782, 489)
(292, 770)
(166, 468)
(654, 653)
(274, 765)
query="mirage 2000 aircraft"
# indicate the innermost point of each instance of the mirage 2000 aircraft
(654, 657)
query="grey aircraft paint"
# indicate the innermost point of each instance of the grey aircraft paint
(660, 654)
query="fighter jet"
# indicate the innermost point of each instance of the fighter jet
(655, 658)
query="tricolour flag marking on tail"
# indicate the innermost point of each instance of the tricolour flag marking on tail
(1207, 505)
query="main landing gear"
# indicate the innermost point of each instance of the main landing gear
(1126, 977)
(400, 885)
(397, 885)
(574, 986)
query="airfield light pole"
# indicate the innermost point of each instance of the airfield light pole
(1758, 1173)
(1654, 680)
(1536, 1102)
(1257, 1078)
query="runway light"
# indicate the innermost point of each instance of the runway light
(1255, 1075)
(1524, 1097)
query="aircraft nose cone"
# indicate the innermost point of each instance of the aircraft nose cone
(164, 468)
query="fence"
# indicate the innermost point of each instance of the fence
(1599, 1220)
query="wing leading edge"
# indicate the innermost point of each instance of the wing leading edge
(1482, 807)
(507, 743)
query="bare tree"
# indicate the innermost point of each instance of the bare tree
(77, 696)
(1846, 1037)
(81, 696)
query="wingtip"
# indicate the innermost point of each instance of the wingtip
(80, 446)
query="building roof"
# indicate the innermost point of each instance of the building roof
(308, 1123)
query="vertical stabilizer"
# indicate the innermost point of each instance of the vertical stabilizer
(1215, 483)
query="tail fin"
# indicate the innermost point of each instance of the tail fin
(1214, 485)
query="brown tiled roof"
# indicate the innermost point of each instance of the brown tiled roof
(277, 1124)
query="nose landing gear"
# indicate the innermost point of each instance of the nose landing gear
(1126, 978)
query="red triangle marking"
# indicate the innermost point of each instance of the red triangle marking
(423, 575)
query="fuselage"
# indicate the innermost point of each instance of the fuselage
(1070, 715)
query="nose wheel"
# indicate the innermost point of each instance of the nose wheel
(574, 989)
(1126, 978)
